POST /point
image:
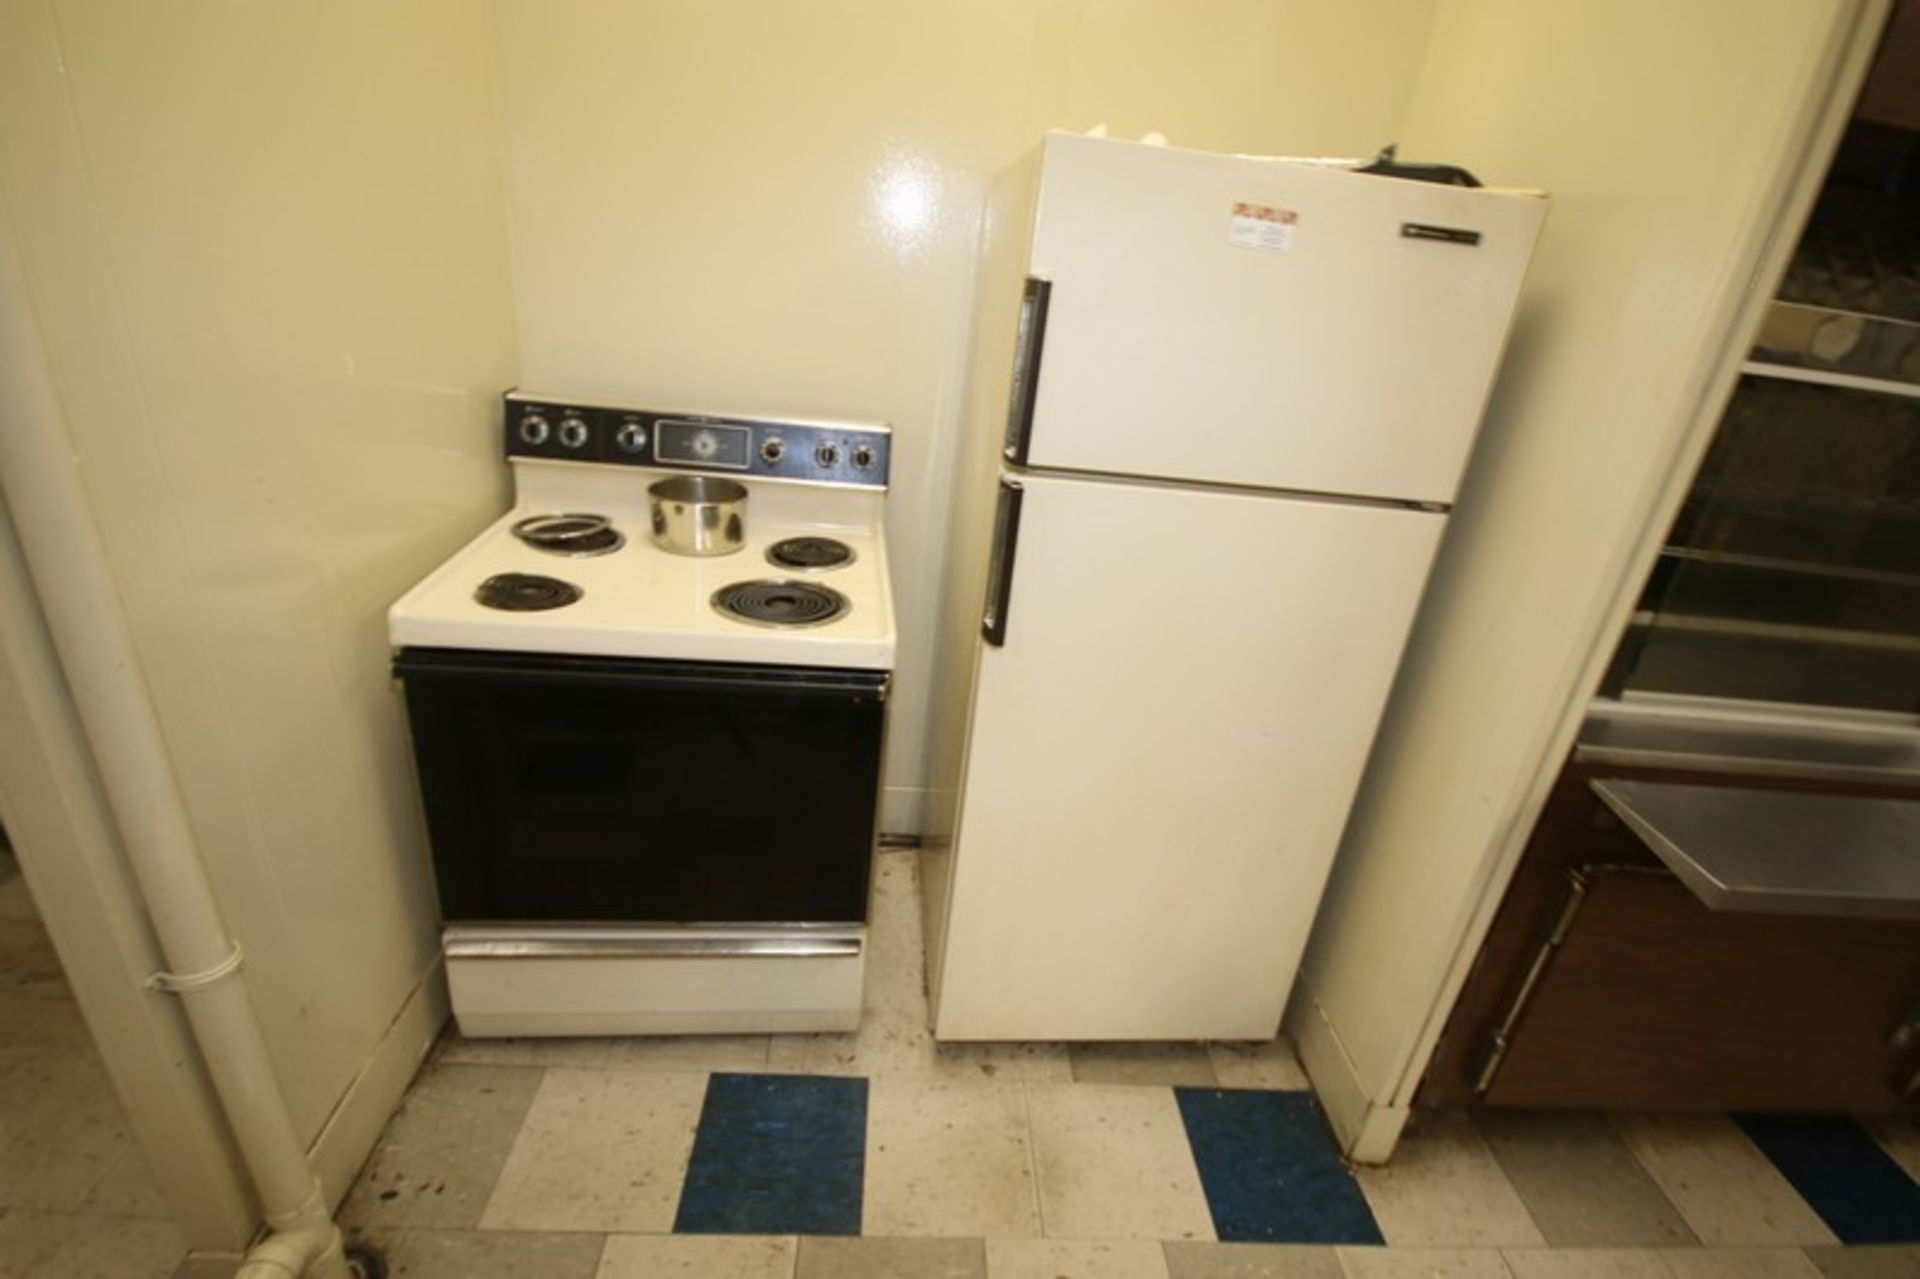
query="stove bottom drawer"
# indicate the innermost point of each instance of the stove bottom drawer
(655, 984)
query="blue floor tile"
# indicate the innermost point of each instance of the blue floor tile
(1855, 1186)
(777, 1155)
(1271, 1170)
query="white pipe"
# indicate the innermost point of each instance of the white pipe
(40, 480)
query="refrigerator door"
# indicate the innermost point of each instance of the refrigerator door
(1164, 744)
(1263, 323)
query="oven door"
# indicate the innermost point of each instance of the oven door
(575, 789)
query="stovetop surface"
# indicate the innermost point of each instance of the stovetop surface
(642, 601)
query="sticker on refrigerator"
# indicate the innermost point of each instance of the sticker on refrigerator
(1261, 226)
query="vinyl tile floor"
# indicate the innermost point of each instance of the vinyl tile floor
(879, 1153)
(76, 1200)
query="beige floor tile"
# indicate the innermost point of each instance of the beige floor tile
(438, 1160)
(1580, 1183)
(1444, 1188)
(894, 1047)
(1113, 1163)
(698, 1257)
(1423, 1263)
(1899, 1136)
(1176, 1065)
(1586, 1263)
(600, 1150)
(1893, 1261)
(1075, 1259)
(37, 1245)
(895, 1039)
(1739, 1263)
(474, 1254)
(61, 1126)
(948, 1159)
(1729, 1193)
(127, 1189)
(1252, 1261)
(826, 1258)
(27, 957)
(15, 901)
(1268, 1065)
(735, 1054)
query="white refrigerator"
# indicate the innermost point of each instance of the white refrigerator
(1218, 409)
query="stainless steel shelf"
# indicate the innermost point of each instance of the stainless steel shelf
(1708, 734)
(1778, 852)
(1837, 348)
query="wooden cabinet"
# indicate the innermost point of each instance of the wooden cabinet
(1605, 983)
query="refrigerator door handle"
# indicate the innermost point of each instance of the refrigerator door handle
(1006, 532)
(1025, 387)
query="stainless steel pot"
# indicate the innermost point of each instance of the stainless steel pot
(698, 514)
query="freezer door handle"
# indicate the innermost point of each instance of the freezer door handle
(1006, 532)
(1025, 386)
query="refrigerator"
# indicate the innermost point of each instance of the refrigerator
(1217, 411)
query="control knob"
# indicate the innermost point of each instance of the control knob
(772, 449)
(573, 432)
(863, 457)
(631, 437)
(534, 429)
(827, 455)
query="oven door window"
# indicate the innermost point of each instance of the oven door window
(606, 790)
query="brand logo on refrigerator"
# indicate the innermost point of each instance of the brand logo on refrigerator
(1261, 226)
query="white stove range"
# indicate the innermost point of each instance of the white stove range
(651, 778)
(641, 601)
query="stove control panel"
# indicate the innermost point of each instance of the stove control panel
(765, 448)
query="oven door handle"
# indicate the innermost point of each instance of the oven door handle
(557, 668)
(651, 947)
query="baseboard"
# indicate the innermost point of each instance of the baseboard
(901, 809)
(1367, 1131)
(356, 1123)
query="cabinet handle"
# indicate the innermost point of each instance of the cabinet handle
(1025, 386)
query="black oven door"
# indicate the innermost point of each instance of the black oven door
(612, 790)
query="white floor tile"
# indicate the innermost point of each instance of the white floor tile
(1075, 1259)
(945, 1159)
(600, 1150)
(1268, 1065)
(1444, 1188)
(1423, 1263)
(1728, 1191)
(1113, 1163)
(698, 1257)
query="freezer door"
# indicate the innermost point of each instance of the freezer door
(1254, 322)
(1164, 744)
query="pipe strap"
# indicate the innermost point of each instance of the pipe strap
(186, 983)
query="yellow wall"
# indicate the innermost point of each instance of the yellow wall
(774, 206)
(265, 245)
(1676, 140)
